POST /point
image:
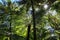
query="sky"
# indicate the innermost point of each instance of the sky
(12, 0)
(0, 1)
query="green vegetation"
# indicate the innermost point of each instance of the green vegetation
(30, 20)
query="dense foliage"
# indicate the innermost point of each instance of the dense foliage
(17, 16)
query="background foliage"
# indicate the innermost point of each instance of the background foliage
(16, 15)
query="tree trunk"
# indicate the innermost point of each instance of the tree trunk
(28, 34)
(34, 24)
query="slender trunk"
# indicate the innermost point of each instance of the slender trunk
(28, 34)
(34, 24)
(10, 31)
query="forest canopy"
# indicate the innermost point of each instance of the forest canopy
(29, 19)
